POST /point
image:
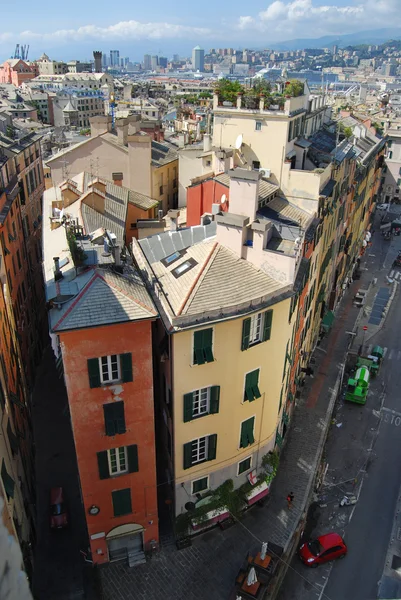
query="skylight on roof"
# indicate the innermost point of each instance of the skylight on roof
(171, 258)
(184, 267)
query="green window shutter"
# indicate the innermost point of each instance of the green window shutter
(285, 359)
(248, 395)
(246, 330)
(12, 438)
(281, 399)
(94, 372)
(212, 447)
(251, 437)
(207, 344)
(126, 367)
(214, 399)
(243, 442)
(279, 440)
(132, 452)
(267, 325)
(188, 407)
(255, 384)
(188, 455)
(119, 417)
(199, 358)
(103, 465)
(8, 481)
(122, 502)
(109, 423)
(114, 418)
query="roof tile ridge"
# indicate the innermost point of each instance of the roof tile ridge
(124, 293)
(77, 299)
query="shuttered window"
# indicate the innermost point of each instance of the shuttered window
(203, 347)
(256, 329)
(200, 450)
(114, 419)
(111, 368)
(201, 402)
(251, 391)
(118, 461)
(122, 502)
(8, 481)
(247, 436)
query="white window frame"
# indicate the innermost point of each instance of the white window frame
(253, 340)
(200, 460)
(119, 470)
(241, 461)
(256, 125)
(198, 391)
(110, 379)
(195, 480)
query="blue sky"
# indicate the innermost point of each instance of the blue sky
(161, 27)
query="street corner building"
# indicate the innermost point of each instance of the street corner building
(100, 318)
(224, 296)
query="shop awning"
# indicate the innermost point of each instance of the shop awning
(328, 320)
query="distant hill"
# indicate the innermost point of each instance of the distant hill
(373, 36)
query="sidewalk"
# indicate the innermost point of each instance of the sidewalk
(208, 568)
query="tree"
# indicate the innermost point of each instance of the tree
(228, 90)
(294, 88)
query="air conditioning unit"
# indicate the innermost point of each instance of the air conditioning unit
(265, 172)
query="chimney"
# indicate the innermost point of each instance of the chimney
(98, 184)
(57, 273)
(100, 124)
(69, 192)
(173, 214)
(122, 131)
(117, 255)
(117, 179)
(140, 163)
(260, 235)
(244, 192)
(207, 142)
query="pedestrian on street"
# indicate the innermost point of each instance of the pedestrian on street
(290, 499)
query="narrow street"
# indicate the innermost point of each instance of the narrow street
(363, 455)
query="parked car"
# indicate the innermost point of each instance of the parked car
(325, 548)
(58, 511)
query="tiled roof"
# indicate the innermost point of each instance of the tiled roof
(228, 281)
(281, 209)
(163, 153)
(108, 298)
(266, 187)
(141, 201)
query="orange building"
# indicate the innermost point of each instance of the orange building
(17, 71)
(100, 317)
(21, 177)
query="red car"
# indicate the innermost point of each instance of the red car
(58, 512)
(327, 547)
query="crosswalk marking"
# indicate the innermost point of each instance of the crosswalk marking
(391, 274)
(390, 354)
(395, 275)
(384, 352)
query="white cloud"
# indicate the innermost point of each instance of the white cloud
(303, 18)
(125, 30)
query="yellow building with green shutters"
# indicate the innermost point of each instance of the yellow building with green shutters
(222, 340)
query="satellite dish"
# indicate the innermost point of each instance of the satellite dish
(238, 142)
(223, 199)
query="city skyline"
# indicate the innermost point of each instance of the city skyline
(267, 24)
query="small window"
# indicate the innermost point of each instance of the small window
(184, 267)
(247, 433)
(255, 165)
(109, 368)
(199, 450)
(169, 260)
(244, 465)
(122, 502)
(200, 402)
(118, 462)
(251, 391)
(200, 485)
(203, 346)
(258, 126)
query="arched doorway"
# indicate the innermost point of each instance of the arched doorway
(125, 540)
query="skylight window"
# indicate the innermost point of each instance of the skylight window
(171, 258)
(184, 267)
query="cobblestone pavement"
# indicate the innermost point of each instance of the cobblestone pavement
(207, 569)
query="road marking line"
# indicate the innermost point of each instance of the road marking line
(391, 274)
(369, 349)
(390, 356)
(384, 352)
(391, 411)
